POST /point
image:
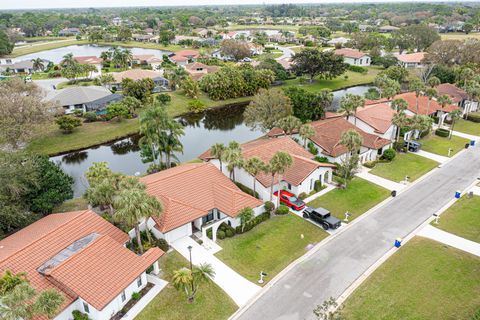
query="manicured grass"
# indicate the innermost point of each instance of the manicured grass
(263, 26)
(83, 83)
(459, 36)
(440, 145)
(359, 196)
(75, 204)
(145, 45)
(404, 164)
(354, 79)
(211, 302)
(462, 218)
(424, 280)
(270, 246)
(20, 51)
(466, 126)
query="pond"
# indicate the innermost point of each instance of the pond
(201, 131)
(56, 55)
(337, 95)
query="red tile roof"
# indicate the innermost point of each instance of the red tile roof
(455, 93)
(422, 104)
(135, 74)
(33, 246)
(197, 70)
(178, 58)
(328, 133)
(190, 191)
(265, 148)
(350, 53)
(187, 53)
(378, 116)
(88, 60)
(416, 57)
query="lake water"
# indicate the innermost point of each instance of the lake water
(56, 55)
(337, 95)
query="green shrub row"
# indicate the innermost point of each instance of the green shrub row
(247, 190)
(442, 132)
(474, 117)
(357, 69)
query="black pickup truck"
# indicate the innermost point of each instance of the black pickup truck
(323, 217)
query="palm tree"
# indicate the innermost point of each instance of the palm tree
(173, 131)
(127, 57)
(188, 280)
(278, 164)
(38, 64)
(288, 124)
(443, 101)
(217, 151)
(417, 86)
(245, 215)
(465, 75)
(134, 205)
(306, 132)
(233, 157)
(400, 120)
(399, 105)
(454, 115)
(68, 60)
(430, 93)
(433, 82)
(352, 140)
(349, 105)
(254, 166)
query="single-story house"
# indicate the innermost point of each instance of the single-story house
(197, 70)
(328, 133)
(338, 41)
(375, 119)
(91, 98)
(184, 56)
(93, 60)
(387, 29)
(195, 198)
(424, 107)
(411, 60)
(148, 59)
(354, 57)
(69, 32)
(180, 39)
(142, 37)
(299, 178)
(23, 66)
(137, 74)
(458, 97)
(83, 257)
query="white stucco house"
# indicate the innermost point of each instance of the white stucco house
(376, 119)
(354, 57)
(94, 61)
(84, 258)
(196, 197)
(459, 97)
(411, 60)
(299, 178)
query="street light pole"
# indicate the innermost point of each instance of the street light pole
(190, 250)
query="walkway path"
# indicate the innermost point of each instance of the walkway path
(450, 239)
(287, 53)
(433, 156)
(466, 136)
(236, 286)
(382, 182)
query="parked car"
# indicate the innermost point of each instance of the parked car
(290, 200)
(413, 146)
(323, 217)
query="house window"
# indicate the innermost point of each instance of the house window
(209, 217)
(289, 186)
(85, 307)
(139, 282)
(124, 297)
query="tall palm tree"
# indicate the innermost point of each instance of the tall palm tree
(399, 105)
(171, 141)
(400, 120)
(233, 157)
(430, 93)
(133, 205)
(68, 60)
(418, 87)
(306, 132)
(38, 64)
(443, 101)
(127, 57)
(433, 81)
(349, 105)
(217, 151)
(352, 140)
(278, 164)
(288, 124)
(466, 74)
(454, 115)
(254, 166)
(188, 280)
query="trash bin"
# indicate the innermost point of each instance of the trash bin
(394, 193)
(458, 194)
(398, 242)
(467, 145)
(472, 143)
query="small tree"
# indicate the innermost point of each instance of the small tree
(254, 166)
(217, 151)
(164, 98)
(190, 88)
(245, 215)
(352, 140)
(189, 281)
(443, 101)
(306, 132)
(67, 123)
(350, 103)
(118, 111)
(288, 124)
(454, 115)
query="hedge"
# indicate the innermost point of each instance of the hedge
(357, 69)
(247, 190)
(442, 132)
(474, 117)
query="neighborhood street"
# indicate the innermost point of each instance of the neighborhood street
(336, 265)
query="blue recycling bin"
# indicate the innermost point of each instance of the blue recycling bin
(472, 143)
(458, 194)
(398, 242)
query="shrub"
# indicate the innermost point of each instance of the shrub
(238, 230)
(247, 190)
(78, 113)
(265, 216)
(302, 195)
(220, 234)
(312, 149)
(269, 206)
(90, 116)
(196, 106)
(77, 315)
(209, 233)
(318, 185)
(357, 69)
(442, 132)
(136, 296)
(282, 210)
(67, 123)
(200, 241)
(321, 159)
(229, 233)
(389, 154)
(163, 244)
(370, 164)
(164, 98)
(474, 117)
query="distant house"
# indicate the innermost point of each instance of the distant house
(137, 74)
(148, 59)
(411, 60)
(179, 39)
(354, 57)
(387, 29)
(69, 32)
(299, 178)
(184, 57)
(91, 98)
(338, 41)
(92, 60)
(195, 197)
(84, 258)
(458, 97)
(24, 66)
(198, 70)
(142, 37)
(117, 21)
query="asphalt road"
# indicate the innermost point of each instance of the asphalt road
(336, 265)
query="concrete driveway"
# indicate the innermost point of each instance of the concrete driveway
(341, 260)
(48, 84)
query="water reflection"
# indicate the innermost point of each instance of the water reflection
(75, 157)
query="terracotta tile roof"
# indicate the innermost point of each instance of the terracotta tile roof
(328, 133)
(329, 115)
(197, 70)
(135, 74)
(378, 116)
(178, 58)
(422, 104)
(350, 53)
(455, 93)
(33, 246)
(102, 270)
(190, 191)
(416, 57)
(88, 60)
(147, 58)
(187, 53)
(265, 148)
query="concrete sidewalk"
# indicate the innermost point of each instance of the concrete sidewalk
(450, 239)
(382, 182)
(237, 287)
(466, 135)
(432, 156)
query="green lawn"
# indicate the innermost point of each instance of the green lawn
(263, 26)
(75, 204)
(404, 164)
(270, 246)
(145, 45)
(211, 302)
(20, 51)
(459, 36)
(462, 218)
(466, 126)
(440, 145)
(424, 280)
(359, 196)
(354, 79)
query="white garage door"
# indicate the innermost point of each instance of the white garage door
(183, 231)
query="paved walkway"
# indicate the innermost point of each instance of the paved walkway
(476, 190)
(382, 182)
(236, 286)
(466, 136)
(432, 156)
(450, 239)
(329, 188)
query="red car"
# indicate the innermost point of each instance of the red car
(290, 200)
